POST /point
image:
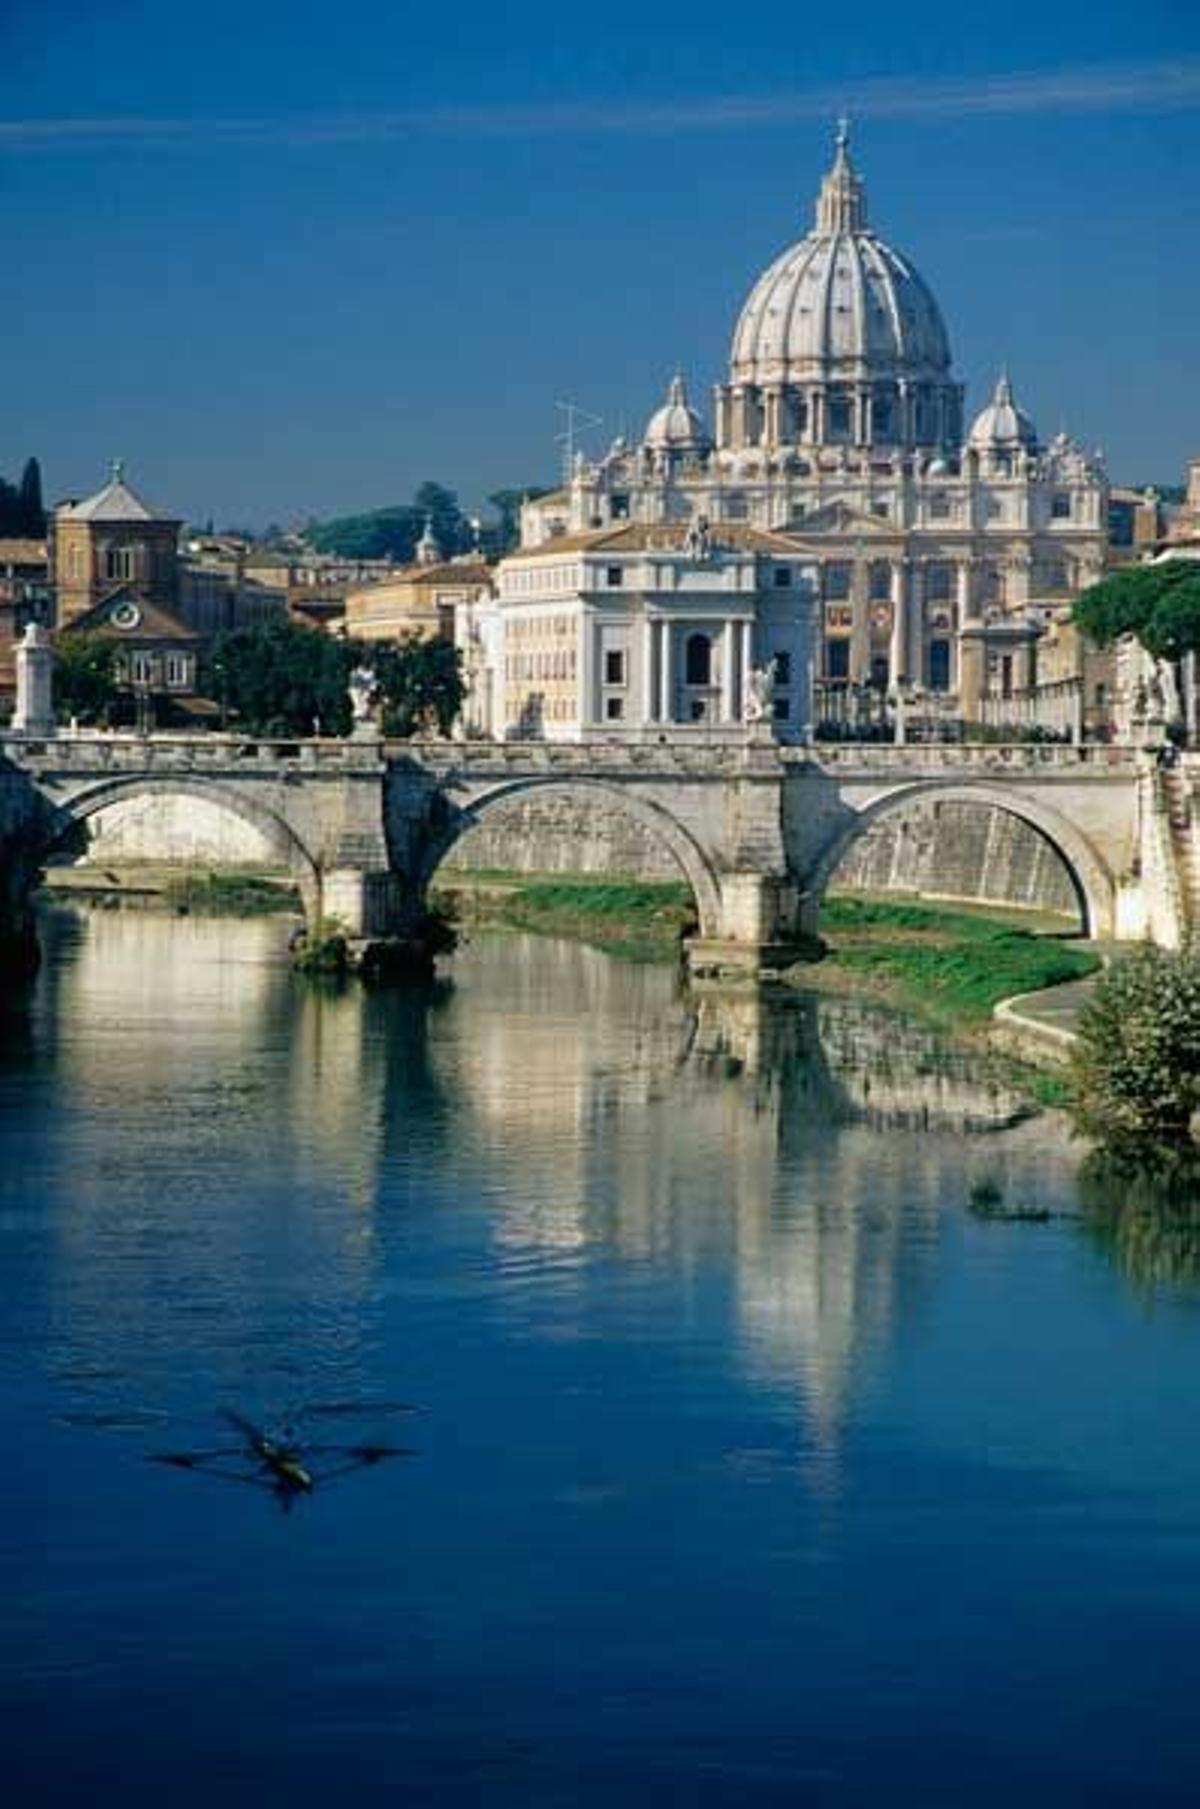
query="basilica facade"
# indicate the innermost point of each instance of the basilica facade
(840, 525)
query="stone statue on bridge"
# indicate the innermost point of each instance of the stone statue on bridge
(364, 697)
(759, 701)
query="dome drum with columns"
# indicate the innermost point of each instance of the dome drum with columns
(840, 427)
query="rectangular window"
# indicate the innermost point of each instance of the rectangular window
(781, 708)
(940, 506)
(880, 581)
(837, 581)
(837, 659)
(614, 708)
(177, 671)
(783, 668)
(783, 576)
(1060, 506)
(939, 665)
(736, 508)
(613, 577)
(614, 666)
(938, 582)
(141, 668)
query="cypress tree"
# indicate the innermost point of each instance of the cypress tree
(32, 512)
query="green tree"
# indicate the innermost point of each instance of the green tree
(1135, 1073)
(280, 679)
(1158, 604)
(85, 678)
(390, 533)
(33, 514)
(420, 684)
(393, 532)
(503, 537)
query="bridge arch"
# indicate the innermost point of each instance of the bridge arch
(659, 823)
(1091, 880)
(78, 806)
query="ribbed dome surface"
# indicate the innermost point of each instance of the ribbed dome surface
(839, 303)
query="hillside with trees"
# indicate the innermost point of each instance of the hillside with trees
(392, 532)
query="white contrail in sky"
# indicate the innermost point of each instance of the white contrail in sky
(1152, 87)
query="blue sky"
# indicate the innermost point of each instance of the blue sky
(288, 259)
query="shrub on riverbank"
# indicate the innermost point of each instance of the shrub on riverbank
(952, 964)
(1135, 1075)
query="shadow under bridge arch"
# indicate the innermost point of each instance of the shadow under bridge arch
(1090, 879)
(664, 830)
(281, 839)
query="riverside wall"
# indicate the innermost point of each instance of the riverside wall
(969, 852)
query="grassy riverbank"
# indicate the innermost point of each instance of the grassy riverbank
(640, 920)
(203, 891)
(952, 965)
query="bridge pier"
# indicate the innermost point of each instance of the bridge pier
(763, 925)
(387, 928)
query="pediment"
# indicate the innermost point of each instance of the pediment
(839, 517)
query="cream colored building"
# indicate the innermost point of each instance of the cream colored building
(637, 627)
(933, 554)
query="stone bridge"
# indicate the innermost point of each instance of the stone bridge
(757, 829)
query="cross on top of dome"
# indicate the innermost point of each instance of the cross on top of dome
(842, 203)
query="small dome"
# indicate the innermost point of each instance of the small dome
(1002, 426)
(676, 427)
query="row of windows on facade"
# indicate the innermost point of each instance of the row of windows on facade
(697, 664)
(117, 562)
(696, 709)
(174, 670)
(835, 664)
(940, 505)
(559, 664)
(614, 577)
(523, 627)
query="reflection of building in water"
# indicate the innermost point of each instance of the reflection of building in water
(189, 1038)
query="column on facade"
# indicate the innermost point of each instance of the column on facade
(816, 417)
(666, 677)
(860, 618)
(771, 415)
(746, 664)
(862, 416)
(916, 624)
(729, 709)
(964, 612)
(647, 676)
(898, 646)
(588, 706)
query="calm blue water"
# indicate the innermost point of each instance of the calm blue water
(752, 1468)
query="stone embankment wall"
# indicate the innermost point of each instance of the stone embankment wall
(967, 852)
(562, 834)
(163, 828)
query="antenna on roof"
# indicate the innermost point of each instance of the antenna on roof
(576, 417)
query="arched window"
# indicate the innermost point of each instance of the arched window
(698, 660)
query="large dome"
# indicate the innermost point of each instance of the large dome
(840, 304)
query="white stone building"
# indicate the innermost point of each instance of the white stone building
(838, 517)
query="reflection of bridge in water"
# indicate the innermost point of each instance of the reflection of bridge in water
(756, 829)
(581, 1111)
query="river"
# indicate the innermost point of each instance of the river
(751, 1466)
